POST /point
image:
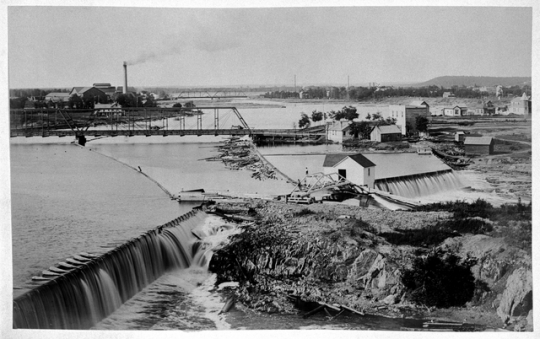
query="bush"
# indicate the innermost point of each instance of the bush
(467, 225)
(517, 234)
(424, 237)
(483, 209)
(440, 280)
(479, 208)
(356, 226)
(303, 211)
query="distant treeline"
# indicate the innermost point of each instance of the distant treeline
(449, 81)
(369, 93)
(35, 92)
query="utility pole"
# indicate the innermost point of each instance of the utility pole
(295, 83)
(348, 96)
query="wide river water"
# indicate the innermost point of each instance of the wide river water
(68, 199)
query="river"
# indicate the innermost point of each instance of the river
(68, 199)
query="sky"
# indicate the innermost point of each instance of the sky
(79, 46)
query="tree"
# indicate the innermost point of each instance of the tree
(441, 279)
(349, 113)
(362, 129)
(75, 101)
(378, 120)
(422, 123)
(304, 121)
(316, 116)
(127, 100)
(376, 116)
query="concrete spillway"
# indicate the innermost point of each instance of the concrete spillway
(412, 175)
(420, 185)
(93, 290)
(395, 165)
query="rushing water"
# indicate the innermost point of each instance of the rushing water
(84, 296)
(420, 185)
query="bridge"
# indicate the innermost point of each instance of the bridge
(153, 121)
(208, 94)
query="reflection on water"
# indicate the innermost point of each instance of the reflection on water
(66, 200)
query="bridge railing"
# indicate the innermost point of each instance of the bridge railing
(47, 120)
(132, 121)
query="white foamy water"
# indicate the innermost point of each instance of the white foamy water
(182, 299)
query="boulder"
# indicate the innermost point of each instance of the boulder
(516, 300)
(390, 300)
(374, 272)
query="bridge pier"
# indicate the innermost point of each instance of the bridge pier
(81, 139)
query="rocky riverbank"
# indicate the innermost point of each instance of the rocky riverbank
(295, 256)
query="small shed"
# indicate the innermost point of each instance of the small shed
(459, 136)
(386, 133)
(338, 131)
(356, 168)
(479, 145)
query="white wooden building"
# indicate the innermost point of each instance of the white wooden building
(356, 168)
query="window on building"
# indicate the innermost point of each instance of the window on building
(369, 172)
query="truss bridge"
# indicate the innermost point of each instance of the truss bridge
(112, 122)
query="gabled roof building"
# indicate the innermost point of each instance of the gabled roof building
(338, 131)
(386, 133)
(478, 145)
(354, 167)
(521, 105)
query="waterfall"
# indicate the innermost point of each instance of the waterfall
(90, 292)
(420, 185)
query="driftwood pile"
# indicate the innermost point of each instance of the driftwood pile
(453, 157)
(239, 154)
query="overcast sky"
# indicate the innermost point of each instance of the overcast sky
(79, 46)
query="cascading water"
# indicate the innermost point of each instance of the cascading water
(89, 293)
(420, 185)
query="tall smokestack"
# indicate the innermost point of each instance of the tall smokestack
(125, 78)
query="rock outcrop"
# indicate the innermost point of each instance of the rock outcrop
(339, 255)
(516, 300)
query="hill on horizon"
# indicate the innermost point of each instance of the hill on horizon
(449, 81)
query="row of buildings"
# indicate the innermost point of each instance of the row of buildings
(98, 92)
(519, 105)
(403, 115)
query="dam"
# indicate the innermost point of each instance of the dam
(404, 174)
(91, 291)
